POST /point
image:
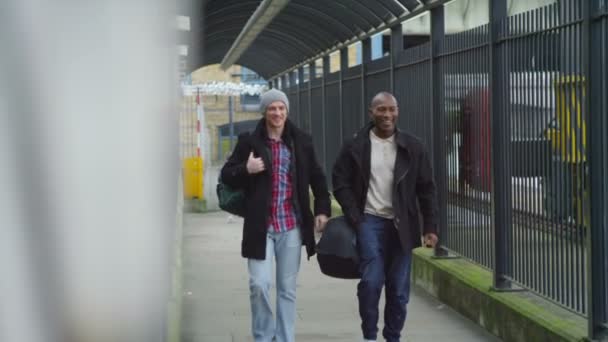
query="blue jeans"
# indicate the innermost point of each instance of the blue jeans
(382, 261)
(286, 248)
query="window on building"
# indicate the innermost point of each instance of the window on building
(334, 61)
(354, 54)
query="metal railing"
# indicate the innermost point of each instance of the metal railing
(515, 115)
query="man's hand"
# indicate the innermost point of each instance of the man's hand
(320, 221)
(430, 240)
(255, 165)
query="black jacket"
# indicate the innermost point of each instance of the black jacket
(413, 184)
(305, 171)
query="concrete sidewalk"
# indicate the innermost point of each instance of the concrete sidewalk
(216, 296)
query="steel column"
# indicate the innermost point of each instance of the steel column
(396, 48)
(292, 79)
(324, 109)
(231, 121)
(596, 145)
(366, 57)
(438, 122)
(300, 89)
(312, 72)
(500, 158)
(292, 88)
(343, 68)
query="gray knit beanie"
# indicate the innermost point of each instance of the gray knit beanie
(271, 96)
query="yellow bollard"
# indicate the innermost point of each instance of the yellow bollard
(193, 177)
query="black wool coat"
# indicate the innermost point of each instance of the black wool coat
(413, 186)
(306, 174)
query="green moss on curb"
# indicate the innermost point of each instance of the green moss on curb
(514, 316)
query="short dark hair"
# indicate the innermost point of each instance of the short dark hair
(381, 95)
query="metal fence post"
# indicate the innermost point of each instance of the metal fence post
(231, 121)
(500, 157)
(396, 48)
(300, 89)
(312, 74)
(593, 64)
(324, 107)
(366, 57)
(292, 87)
(343, 68)
(438, 123)
(292, 79)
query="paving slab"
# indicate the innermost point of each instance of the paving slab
(216, 296)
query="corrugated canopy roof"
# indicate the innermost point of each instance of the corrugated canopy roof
(304, 29)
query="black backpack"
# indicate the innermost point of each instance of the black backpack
(230, 200)
(337, 250)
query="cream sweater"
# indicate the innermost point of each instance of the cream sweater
(379, 200)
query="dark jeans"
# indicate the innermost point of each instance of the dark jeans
(382, 261)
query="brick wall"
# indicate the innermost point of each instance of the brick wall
(216, 107)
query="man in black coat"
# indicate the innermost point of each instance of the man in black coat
(275, 166)
(379, 178)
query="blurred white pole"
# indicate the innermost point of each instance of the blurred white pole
(88, 148)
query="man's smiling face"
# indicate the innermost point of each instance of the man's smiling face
(384, 112)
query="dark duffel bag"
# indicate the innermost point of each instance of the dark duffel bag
(337, 250)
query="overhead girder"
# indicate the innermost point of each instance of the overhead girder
(284, 39)
(311, 36)
(411, 4)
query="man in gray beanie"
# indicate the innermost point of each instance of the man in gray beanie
(271, 96)
(275, 166)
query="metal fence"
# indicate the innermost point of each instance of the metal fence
(515, 115)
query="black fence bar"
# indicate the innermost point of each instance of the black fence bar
(317, 118)
(396, 48)
(325, 112)
(343, 68)
(595, 103)
(366, 58)
(501, 213)
(301, 112)
(312, 74)
(293, 95)
(292, 79)
(332, 121)
(352, 102)
(438, 122)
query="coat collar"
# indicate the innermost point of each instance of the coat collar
(262, 133)
(362, 137)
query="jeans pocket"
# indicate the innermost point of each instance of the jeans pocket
(293, 238)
